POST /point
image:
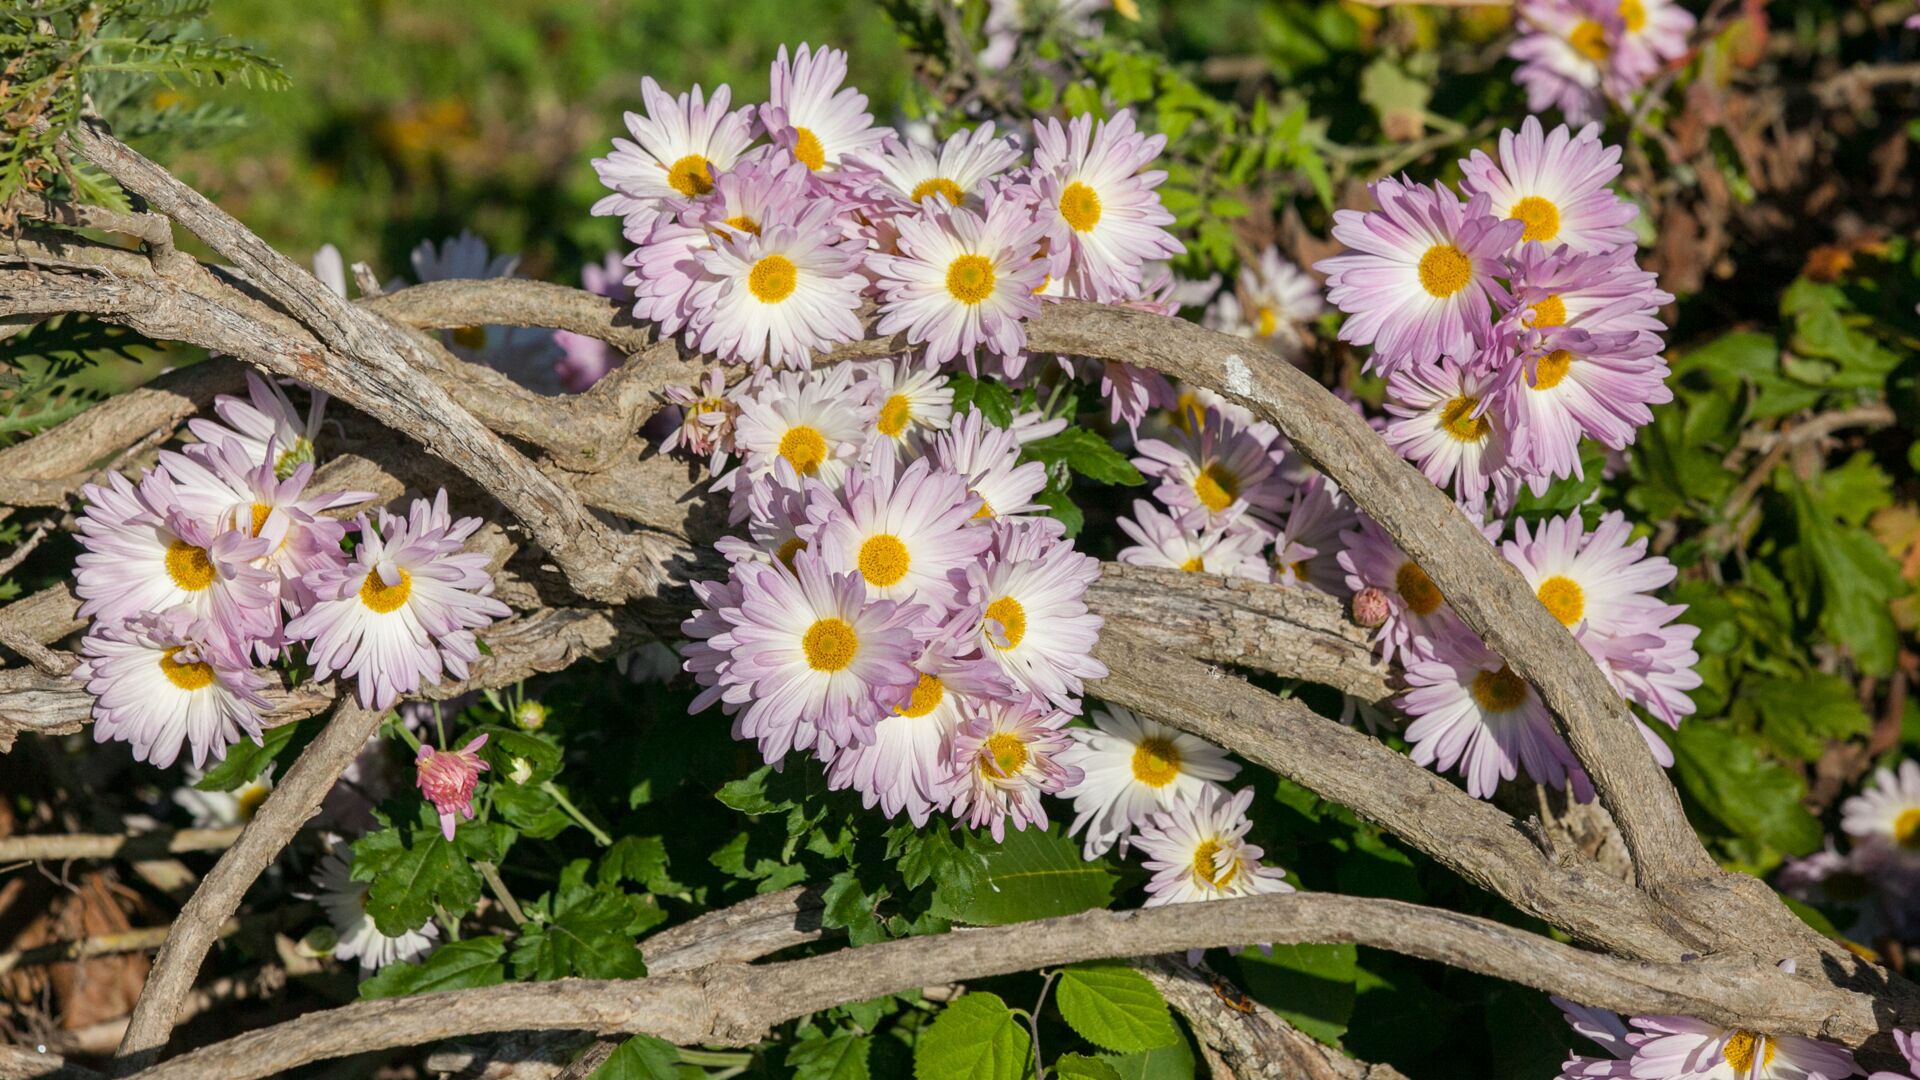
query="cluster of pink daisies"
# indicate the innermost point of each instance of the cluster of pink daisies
(760, 231)
(1688, 1049)
(1579, 55)
(220, 560)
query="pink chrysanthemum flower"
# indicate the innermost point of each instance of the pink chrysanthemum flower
(1133, 392)
(909, 765)
(1415, 615)
(1272, 300)
(1417, 282)
(1444, 425)
(1159, 540)
(1212, 475)
(707, 418)
(1680, 1046)
(679, 148)
(777, 522)
(586, 360)
(805, 656)
(811, 115)
(266, 423)
(1198, 850)
(1603, 1028)
(1095, 196)
(779, 294)
(1132, 768)
(815, 421)
(1033, 619)
(1005, 756)
(911, 401)
(1907, 1042)
(1556, 184)
(167, 679)
(1652, 33)
(144, 554)
(963, 281)
(1565, 51)
(907, 531)
(1886, 816)
(961, 170)
(667, 263)
(446, 779)
(988, 457)
(1472, 712)
(405, 608)
(1307, 551)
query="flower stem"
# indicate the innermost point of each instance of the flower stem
(573, 812)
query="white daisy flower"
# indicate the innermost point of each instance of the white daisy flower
(963, 281)
(1132, 768)
(163, 681)
(679, 147)
(1887, 814)
(222, 809)
(1198, 850)
(904, 532)
(989, 457)
(1160, 540)
(910, 400)
(779, 294)
(807, 107)
(1006, 754)
(345, 902)
(816, 421)
(959, 172)
(1034, 621)
(1680, 1046)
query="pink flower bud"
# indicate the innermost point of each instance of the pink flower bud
(447, 778)
(1370, 607)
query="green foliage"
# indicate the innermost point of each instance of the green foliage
(1115, 1008)
(457, 965)
(975, 1038)
(414, 870)
(582, 929)
(840, 1056)
(1032, 874)
(247, 760)
(641, 1057)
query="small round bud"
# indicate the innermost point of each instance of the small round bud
(1370, 607)
(531, 716)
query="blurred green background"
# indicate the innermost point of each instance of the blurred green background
(409, 121)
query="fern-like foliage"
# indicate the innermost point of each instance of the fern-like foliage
(39, 384)
(59, 58)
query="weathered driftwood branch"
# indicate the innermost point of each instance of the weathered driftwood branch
(125, 846)
(735, 1004)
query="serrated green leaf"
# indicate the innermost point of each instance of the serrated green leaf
(975, 1038)
(1081, 1067)
(1799, 716)
(642, 1057)
(411, 867)
(840, 1056)
(639, 859)
(1087, 453)
(1032, 874)
(1309, 986)
(245, 760)
(457, 965)
(845, 905)
(1115, 1008)
(590, 934)
(1161, 1063)
(1755, 798)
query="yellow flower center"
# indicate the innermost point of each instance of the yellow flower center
(1266, 322)
(1012, 619)
(290, 460)
(1589, 39)
(829, 644)
(1550, 312)
(927, 696)
(807, 148)
(1194, 565)
(1422, 596)
(1003, 754)
(249, 800)
(772, 279)
(1156, 762)
(1542, 218)
(970, 278)
(939, 185)
(1551, 368)
(1445, 270)
(1203, 868)
(1188, 412)
(743, 223)
(895, 415)
(804, 448)
(1457, 420)
(1744, 1046)
(470, 337)
(793, 546)
(260, 515)
(189, 566)
(189, 676)
(1906, 828)
(1216, 487)
(1499, 691)
(1080, 205)
(1633, 15)
(381, 597)
(689, 176)
(1045, 280)
(1564, 597)
(884, 560)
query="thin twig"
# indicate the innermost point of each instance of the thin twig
(123, 846)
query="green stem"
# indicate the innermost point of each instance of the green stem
(573, 812)
(412, 742)
(713, 1057)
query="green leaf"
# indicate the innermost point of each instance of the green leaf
(846, 906)
(1161, 1063)
(1062, 509)
(990, 398)
(1753, 797)
(412, 868)
(840, 1056)
(245, 761)
(590, 933)
(975, 1038)
(1799, 716)
(1030, 875)
(1309, 986)
(642, 1057)
(639, 859)
(457, 965)
(1081, 1067)
(1085, 452)
(1115, 1008)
